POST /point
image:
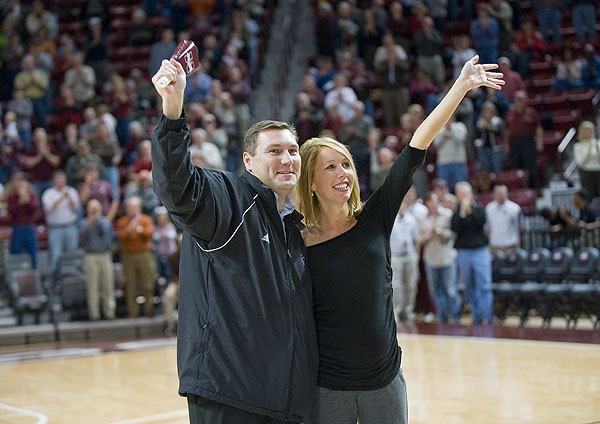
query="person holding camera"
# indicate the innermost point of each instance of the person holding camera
(96, 236)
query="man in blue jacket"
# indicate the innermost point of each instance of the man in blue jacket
(246, 345)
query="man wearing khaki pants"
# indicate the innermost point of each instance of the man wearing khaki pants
(135, 233)
(96, 236)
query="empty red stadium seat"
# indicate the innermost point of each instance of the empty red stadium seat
(513, 179)
(581, 100)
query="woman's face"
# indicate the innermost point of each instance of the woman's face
(333, 177)
(487, 113)
(587, 133)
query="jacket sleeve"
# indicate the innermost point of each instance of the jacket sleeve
(197, 198)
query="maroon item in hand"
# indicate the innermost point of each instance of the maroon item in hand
(186, 54)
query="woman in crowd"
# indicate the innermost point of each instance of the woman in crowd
(349, 261)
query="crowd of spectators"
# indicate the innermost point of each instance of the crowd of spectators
(80, 101)
(76, 113)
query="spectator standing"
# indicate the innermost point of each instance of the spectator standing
(96, 49)
(96, 235)
(75, 165)
(165, 241)
(485, 35)
(81, 79)
(140, 32)
(162, 49)
(514, 81)
(474, 259)
(490, 138)
(439, 256)
(451, 144)
(61, 207)
(405, 264)
(587, 158)
(139, 265)
(144, 160)
(584, 15)
(23, 207)
(210, 152)
(341, 96)
(23, 107)
(41, 161)
(524, 137)
(199, 86)
(392, 66)
(41, 17)
(428, 45)
(34, 84)
(549, 17)
(503, 218)
(93, 187)
(590, 71)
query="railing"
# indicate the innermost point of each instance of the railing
(536, 232)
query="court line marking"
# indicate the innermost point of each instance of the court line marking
(42, 419)
(47, 354)
(151, 418)
(484, 339)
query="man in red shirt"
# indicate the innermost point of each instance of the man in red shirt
(524, 136)
(513, 79)
(23, 205)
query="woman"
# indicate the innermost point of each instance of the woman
(489, 142)
(587, 158)
(349, 261)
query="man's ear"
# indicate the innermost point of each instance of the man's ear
(247, 161)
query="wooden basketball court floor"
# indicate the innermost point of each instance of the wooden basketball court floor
(451, 379)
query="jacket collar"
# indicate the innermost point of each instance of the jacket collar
(268, 196)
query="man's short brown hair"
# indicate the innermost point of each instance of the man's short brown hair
(251, 137)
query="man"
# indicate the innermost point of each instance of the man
(81, 79)
(247, 349)
(439, 256)
(96, 237)
(34, 83)
(474, 259)
(76, 165)
(41, 161)
(61, 206)
(405, 264)
(514, 81)
(451, 158)
(139, 266)
(524, 137)
(504, 221)
(23, 206)
(341, 96)
(585, 214)
(93, 187)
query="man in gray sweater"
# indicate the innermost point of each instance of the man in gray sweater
(96, 236)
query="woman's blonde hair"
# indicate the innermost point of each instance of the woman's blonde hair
(308, 205)
(584, 125)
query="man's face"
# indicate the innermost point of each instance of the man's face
(464, 194)
(276, 161)
(500, 194)
(132, 208)
(59, 181)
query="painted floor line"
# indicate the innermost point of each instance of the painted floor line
(153, 418)
(41, 418)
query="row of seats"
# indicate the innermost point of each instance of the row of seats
(553, 283)
(29, 289)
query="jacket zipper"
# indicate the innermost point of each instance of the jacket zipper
(290, 285)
